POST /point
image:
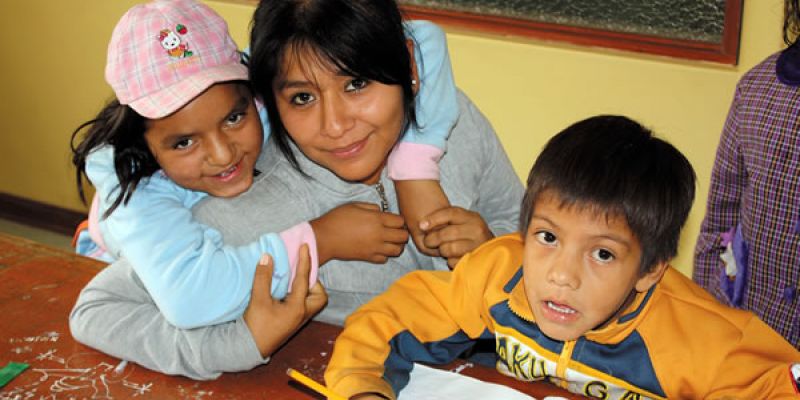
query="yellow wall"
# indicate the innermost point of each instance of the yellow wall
(53, 56)
(51, 80)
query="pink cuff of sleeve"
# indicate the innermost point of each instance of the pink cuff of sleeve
(293, 238)
(414, 161)
(94, 224)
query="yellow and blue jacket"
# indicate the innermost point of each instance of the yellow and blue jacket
(674, 341)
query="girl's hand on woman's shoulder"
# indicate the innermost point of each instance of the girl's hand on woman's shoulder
(359, 231)
(418, 199)
(272, 321)
(455, 231)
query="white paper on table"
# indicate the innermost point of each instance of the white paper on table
(428, 383)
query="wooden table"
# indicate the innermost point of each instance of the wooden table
(38, 287)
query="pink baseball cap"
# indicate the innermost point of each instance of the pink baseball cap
(165, 53)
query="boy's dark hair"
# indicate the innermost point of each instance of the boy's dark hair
(791, 21)
(122, 127)
(615, 165)
(362, 38)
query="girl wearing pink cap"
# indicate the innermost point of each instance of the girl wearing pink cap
(184, 125)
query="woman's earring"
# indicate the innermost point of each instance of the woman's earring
(413, 82)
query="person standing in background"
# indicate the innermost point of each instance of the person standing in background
(748, 250)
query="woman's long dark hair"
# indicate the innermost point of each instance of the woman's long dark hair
(119, 126)
(362, 38)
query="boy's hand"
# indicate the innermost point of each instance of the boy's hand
(272, 321)
(359, 231)
(418, 199)
(455, 232)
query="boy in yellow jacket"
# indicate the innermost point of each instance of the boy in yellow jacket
(585, 298)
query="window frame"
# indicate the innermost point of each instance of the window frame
(725, 52)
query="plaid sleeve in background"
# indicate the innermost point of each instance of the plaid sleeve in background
(756, 183)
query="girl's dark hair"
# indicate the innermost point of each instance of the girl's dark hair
(119, 126)
(615, 166)
(791, 21)
(362, 38)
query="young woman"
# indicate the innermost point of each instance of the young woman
(339, 97)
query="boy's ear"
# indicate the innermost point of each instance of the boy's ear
(414, 72)
(651, 278)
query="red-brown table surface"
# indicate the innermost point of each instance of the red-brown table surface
(38, 287)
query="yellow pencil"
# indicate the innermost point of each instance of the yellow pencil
(296, 375)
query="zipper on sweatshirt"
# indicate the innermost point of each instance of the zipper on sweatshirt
(563, 358)
(563, 361)
(382, 194)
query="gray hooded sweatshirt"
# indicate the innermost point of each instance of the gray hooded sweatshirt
(115, 315)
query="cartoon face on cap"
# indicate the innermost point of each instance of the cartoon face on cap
(169, 40)
(173, 44)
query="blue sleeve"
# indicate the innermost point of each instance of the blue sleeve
(436, 104)
(264, 117)
(407, 349)
(193, 278)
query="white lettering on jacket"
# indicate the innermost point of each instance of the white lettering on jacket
(518, 360)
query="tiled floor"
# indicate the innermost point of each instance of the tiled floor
(39, 235)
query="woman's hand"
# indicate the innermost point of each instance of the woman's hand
(455, 231)
(273, 321)
(359, 231)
